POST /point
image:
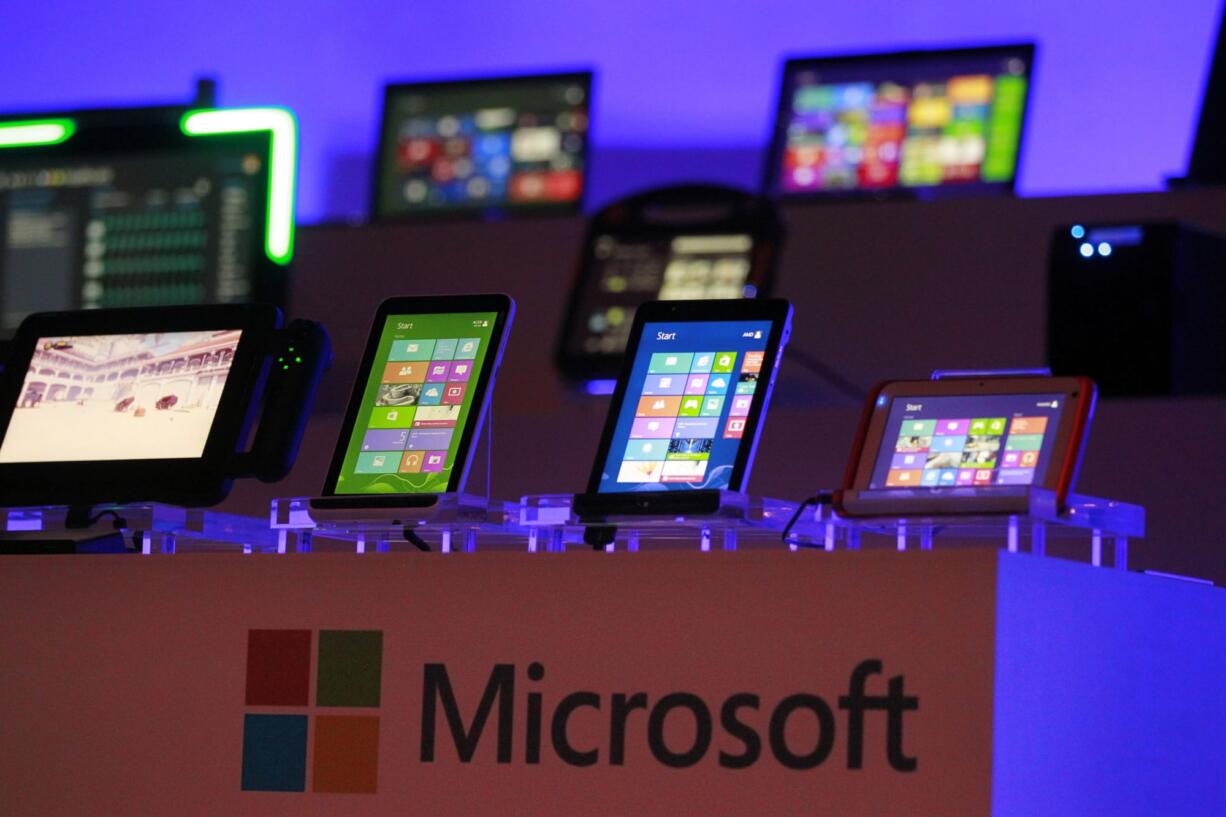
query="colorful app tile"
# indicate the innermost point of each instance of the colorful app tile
(740, 405)
(466, 348)
(385, 439)
(989, 426)
(977, 459)
(949, 476)
(453, 393)
(377, 462)
(918, 428)
(1028, 425)
(658, 407)
(952, 428)
(431, 394)
(948, 443)
(437, 371)
(712, 406)
(404, 373)
(735, 428)
(753, 362)
(444, 349)
(655, 384)
(746, 388)
(646, 449)
(931, 479)
(640, 471)
(908, 460)
(703, 361)
(719, 384)
(903, 478)
(697, 427)
(983, 476)
(436, 416)
(683, 471)
(690, 449)
(411, 350)
(1030, 459)
(670, 363)
(913, 443)
(1011, 459)
(430, 439)
(434, 462)
(942, 459)
(696, 384)
(392, 417)
(411, 462)
(1015, 476)
(461, 370)
(1024, 442)
(725, 362)
(691, 406)
(966, 476)
(652, 428)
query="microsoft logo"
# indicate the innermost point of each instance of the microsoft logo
(341, 730)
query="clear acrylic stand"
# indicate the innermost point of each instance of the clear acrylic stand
(552, 525)
(1086, 520)
(452, 522)
(143, 528)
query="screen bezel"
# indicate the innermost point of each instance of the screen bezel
(190, 480)
(383, 144)
(775, 310)
(1060, 472)
(503, 307)
(133, 133)
(778, 133)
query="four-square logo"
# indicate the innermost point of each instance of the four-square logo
(339, 734)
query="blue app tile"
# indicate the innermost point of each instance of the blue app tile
(431, 394)
(655, 384)
(931, 477)
(274, 752)
(646, 449)
(719, 383)
(445, 349)
(948, 443)
(949, 476)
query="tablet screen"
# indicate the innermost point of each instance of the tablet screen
(964, 441)
(683, 418)
(416, 403)
(120, 397)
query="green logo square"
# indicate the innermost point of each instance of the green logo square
(350, 668)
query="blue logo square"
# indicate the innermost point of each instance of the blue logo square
(274, 752)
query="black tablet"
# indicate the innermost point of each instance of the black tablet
(420, 398)
(136, 404)
(483, 146)
(688, 408)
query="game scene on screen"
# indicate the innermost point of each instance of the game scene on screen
(934, 442)
(416, 404)
(683, 418)
(910, 127)
(120, 397)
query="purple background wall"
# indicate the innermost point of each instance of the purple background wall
(685, 89)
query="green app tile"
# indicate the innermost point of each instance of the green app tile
(746, 388)
(690, 407)
(918, 428)
(411, 350)
(670, 363)
(378, 462)
(1024, 442)
(693, 456)
(398, 417)
(350, 668)
(712, 406)
(724, 362)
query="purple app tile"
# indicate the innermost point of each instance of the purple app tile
(1015, 476)
(695, 427)
(461, 370)
(655, 384)
(966, 476)
(438, 372)
(385, 439)
(946, 428)
(1011, 459)
(652, 427)
(433, 463)
(696, 384)
(908, 460)
(430, 439)
(740, 405)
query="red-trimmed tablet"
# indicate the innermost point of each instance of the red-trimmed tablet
(974, 445)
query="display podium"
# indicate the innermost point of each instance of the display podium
(958, 681)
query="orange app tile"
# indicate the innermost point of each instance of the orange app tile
(1028, 425)
(899, 478)
(658, 407)
(975, 89)
(405, 372)
(753, 362)
(346, 757)
(1029, 459)
(411, 462)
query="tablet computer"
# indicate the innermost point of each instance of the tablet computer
(421, 395)
(153, 404)
(688, 408)
(966, 445)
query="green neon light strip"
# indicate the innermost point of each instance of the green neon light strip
(31, 132)
(279, 238)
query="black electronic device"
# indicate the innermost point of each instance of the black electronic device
(1207, 165)
(683, 242)
(143, 207)
(154, 404)
(687, 412)
(484, 146)
(1138, 307)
